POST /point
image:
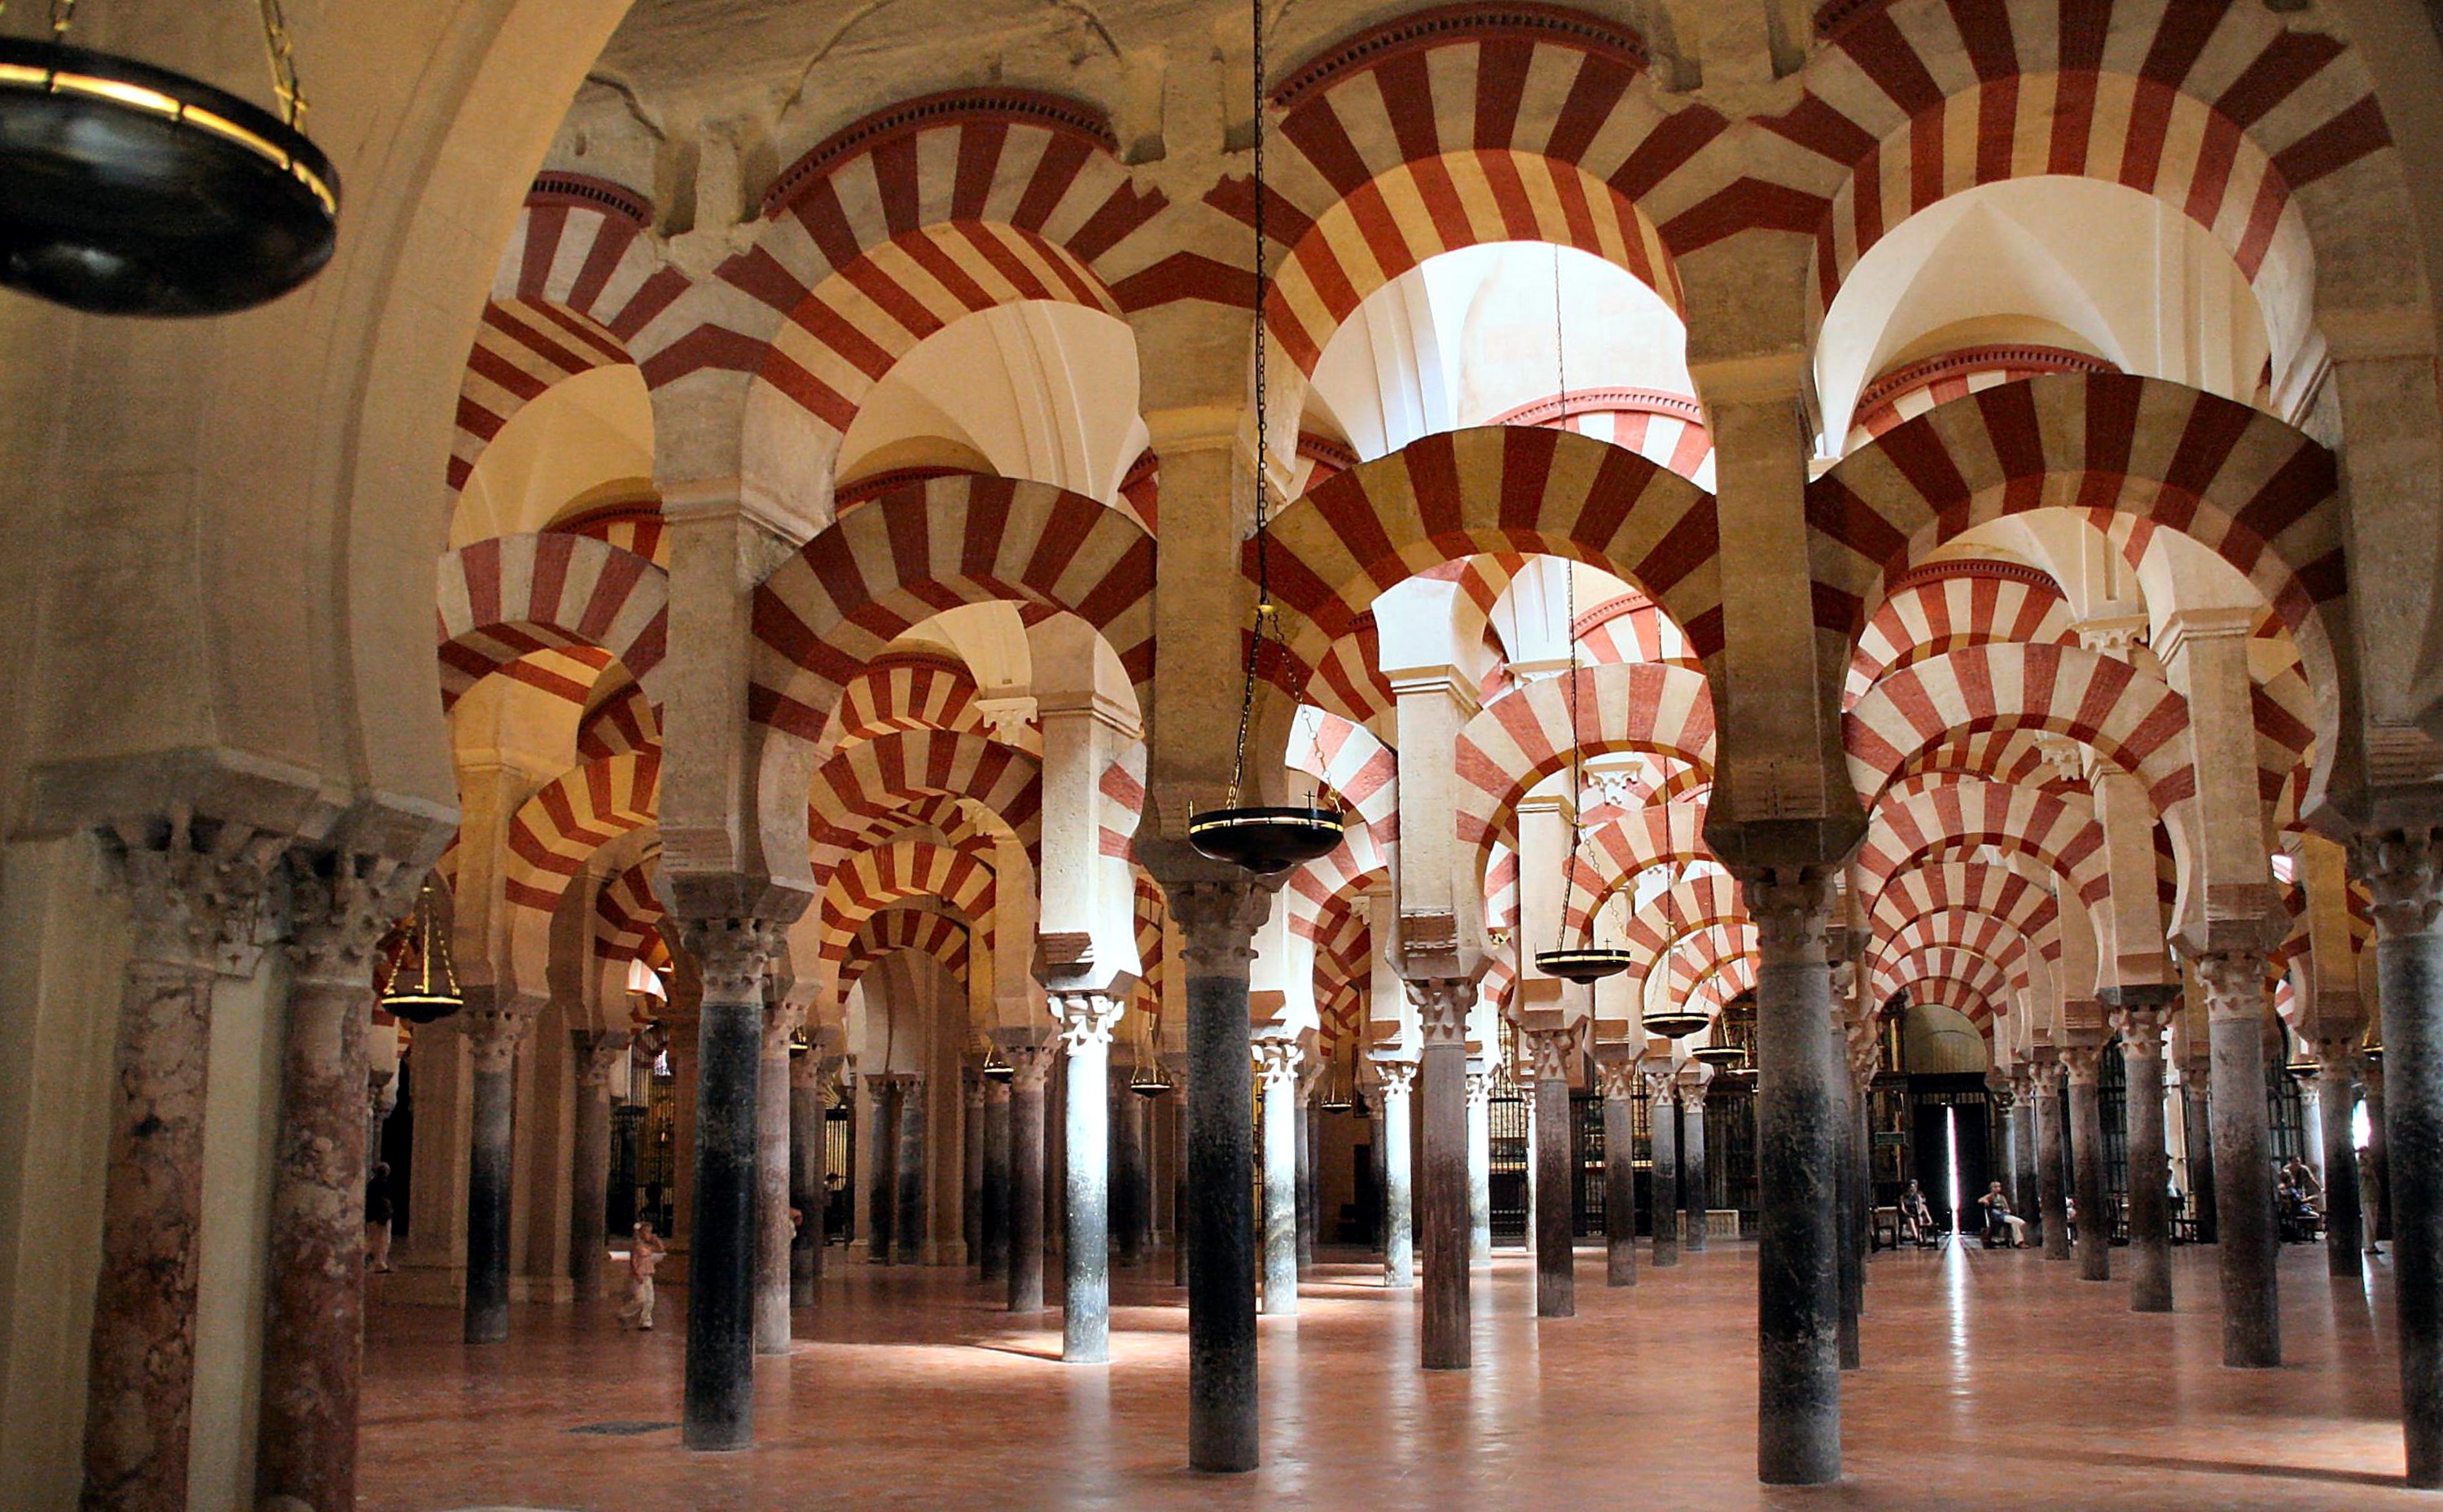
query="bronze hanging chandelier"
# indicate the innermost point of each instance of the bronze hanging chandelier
(423, 987)
(127, 189)
(1263, 840)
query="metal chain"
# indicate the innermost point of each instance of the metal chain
(1570, 601)
(283, 63)
(63, 16)
(1264, 611)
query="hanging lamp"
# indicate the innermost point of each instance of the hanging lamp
(1339, 1091)
(130, 189)
(425, 991)
(1146, 1078)
(996, 1068)
(1714, 1053)
(1265, 840)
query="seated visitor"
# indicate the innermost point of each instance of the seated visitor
(2002, 1226)
(1917, 1219)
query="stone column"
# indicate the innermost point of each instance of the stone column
(1695, 1183)
(807, 1193)
(774, 1235)
(2051, 1194)
(993, 1201)
(2378, 1164)
(2150, 1166)
(882, 1170)
(1663, 1170)
(305, 1446)
(1304, 1103)
(1031, 1067)
(494, 1028)
(1216, 922)
(1128, 1204)
(589, 1226)
(2025, 1199)
(2251, 1297)
(1177, 1105)
(1449, 1097)
(971, 1153)
(2197, 1093)
(1479, 1167)
(1849, 1181)
(1395, 1080)
(1798, 1282)
(719, 1411)
(2084, 1063)
(1619, 1080)
(1085, 1023)
(908, 1210)
(2404, 872)
(2337, 1055)
(1552, 1052)
(1277, 1066)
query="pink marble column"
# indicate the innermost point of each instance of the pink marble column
(305, 1448)
(191, 883)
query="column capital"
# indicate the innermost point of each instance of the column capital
(596, 1052)
(1696, 1077)
(2403, 872)
(2004, 1092)
(1864, 1047)
(2141, 1026)
(806, 1072)
(1793, 908)
(730, 953)
(2234, 984)
(1554, 1051)
(1618, 1079)
(2337, 1056)
(1662, 1083)
(1479, 1088)
(495, 1027)
(1086, 1019)
(781, 1020)
(1396, 1077)
(996, 1092)
(340, 905)
(1442, 1004)
(1277, 1063)
(1218, 923)
(2045, 1076)
(1029, 1067)
(194, 884)
(2084, 1063)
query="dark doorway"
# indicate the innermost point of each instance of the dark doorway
(1948, 1121)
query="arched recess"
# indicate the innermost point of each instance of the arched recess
(627, 915)
(1526, 736)
(873, 880)
(2128, 716)
(886, 232)
(1451, 127)
(511, 596)
(892, 930)
(2218, 109)
(1925, 816)
(555, 831)
(1699, 901)
(578, 280)
(911, 691)
(1944, 606)
(878, 777)
(832, 608)
(2256, 492)
(1989, 984)
(1493, 490)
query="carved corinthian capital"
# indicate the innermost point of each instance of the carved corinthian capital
(1618, 1079)
(495, 1027)
(1218, 923)
(595, 1053)
(1277, 1063)
(1553, 1051)
(1397, 1076)
(2403, 871)
(2234, 984)
(1792, 907)
(1442, 1004)
(730, 953)
(194, 884)
(1087, 1019)
(340, 905)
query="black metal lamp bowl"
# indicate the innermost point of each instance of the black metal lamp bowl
(1266, 840)
(1590, 963)
(422, 1006)
(1723, 1056)
(1676, 1023)
(1149, 1084)
(130, 189)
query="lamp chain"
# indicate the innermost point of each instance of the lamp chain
(1265, 621)
(276, 45)
(1569, 602)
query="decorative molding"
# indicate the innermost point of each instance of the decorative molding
(1448, 24)
(1024, 107)
(552, 186)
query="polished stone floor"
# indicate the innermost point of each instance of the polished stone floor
(1993, 1379)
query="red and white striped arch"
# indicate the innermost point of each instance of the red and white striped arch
(624, 721)
(1501, 888)
(1493, 490)
(1978, 934)
(1967, 888)
(1912, 389)
(1612, 857)
(1992, 985)
(556, 832)
(873, 880)
(1925, 816)
(906, 690)
(1461, 125)
(578, 281)
(1697, 955)
(2255, 491)
(879, 776)
(965, 826)
(2010, 756)
(2130, 716)
(1349, 680)
(1979, 1001)
(1944, 606)
(892, 930)
(1526, 735)
(2217, 109)
(1725, 981)
(627, 915)
(1667, 430)
(1699, 901)
(907, 220)
(634, 526)
(511, 596)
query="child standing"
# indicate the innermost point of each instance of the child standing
(644, 1254)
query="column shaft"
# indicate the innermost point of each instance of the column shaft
(1620, 1181)
(908, 1211)
(2086, 1161)
(2052, 1197)
(1306, 1213)
(882, 1171)
(1479, 1167)
(2409, 962)
(774, 1235)
(1217, 922)
(1695, 1189)
(807, 1192)
(2337, 1090)
(1280, 1064)
(2251, 1298)
(2150, 1166)
(1398, 1202)
(1033, 1064)
(1086, 1153)
(589, 1228)
(1663, 1172)
(487, 1184)
(1853, 1269)
(1444, 1195)
(993, 1204)
(1556, 1273)
(1128, 1204)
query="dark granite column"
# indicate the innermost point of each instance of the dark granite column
(1085, 1023)
(1177, 1105)
(1618, 1075)
(2025, 1200)
(2404, 872)
(993, 1206)
(1031, 1067)
(774, 1235)
(1696, 1174)
(1864, 1052)
(2141, 1024)
(494, 1027)
(1277, 1065)
(1128, 1174)
(1662, 1168)
(909, 1214)
(882, 1170)
(1553, 1053)
(1218, 923)
(2196, 1104)
(730, 953)
(1798, 1278)
(2251, 1297)
(2083, 1064)
(2337, 1055)
(2052, 1194)
(1309, 1075)
(971, 1151)
(306, 1444)
(1845, 1189)
(1442, 1005)
(2378, 1164)
(589, 1178)
(807, 1192)
(1394, 1088)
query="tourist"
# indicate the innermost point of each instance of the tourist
(2013, 1228)
(1917, 1219)
(644, 1254)
(377, 1217)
